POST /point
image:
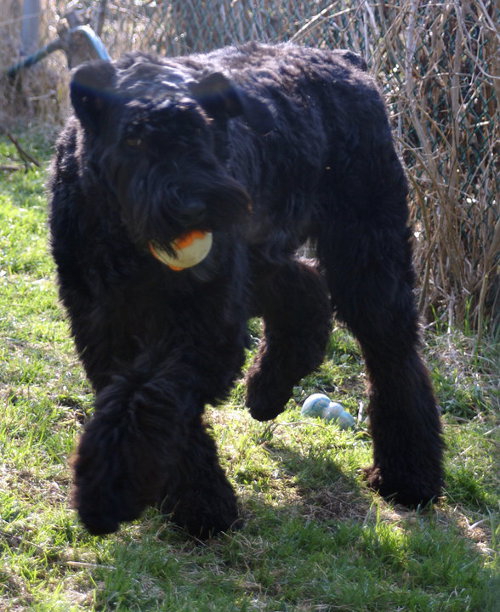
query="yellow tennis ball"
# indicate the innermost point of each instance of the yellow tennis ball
(190, 249)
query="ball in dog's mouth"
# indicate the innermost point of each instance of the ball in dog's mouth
(190, 249)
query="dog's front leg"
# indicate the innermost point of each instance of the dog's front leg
(146, 444)
(128, 444)
(294, 303)
(197, 496)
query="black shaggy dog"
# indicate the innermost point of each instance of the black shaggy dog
(253, 150)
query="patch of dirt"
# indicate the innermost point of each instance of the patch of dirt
(335, 502)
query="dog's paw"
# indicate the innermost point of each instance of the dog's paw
(204, 510)
(265, 406)
(109, 488)
(263, 411)
(98, 524)
(408, 490)
(102, 504)
(210, 528)
(101, 516)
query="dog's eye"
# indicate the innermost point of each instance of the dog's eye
(134, 143)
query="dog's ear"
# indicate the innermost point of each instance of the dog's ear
(90, 90)
(219, 97)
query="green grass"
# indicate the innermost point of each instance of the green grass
(314, 538)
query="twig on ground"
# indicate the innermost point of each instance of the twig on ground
(25, 157)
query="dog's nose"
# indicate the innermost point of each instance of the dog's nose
(192, 212)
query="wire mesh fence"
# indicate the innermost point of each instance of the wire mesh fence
(437, 63)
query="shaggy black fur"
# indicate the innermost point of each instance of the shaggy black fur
(266, 147)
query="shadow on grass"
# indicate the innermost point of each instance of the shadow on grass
(314, 538)
(301, 555)
(323, 490)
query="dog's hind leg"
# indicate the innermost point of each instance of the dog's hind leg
(369, 270)
(294, 303)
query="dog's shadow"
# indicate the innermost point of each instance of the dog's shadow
(317, 487)
(302, 503)
(315, 503)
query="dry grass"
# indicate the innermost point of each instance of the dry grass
(37, 95)
(438, 66)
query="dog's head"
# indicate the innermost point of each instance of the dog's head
(155, 134)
